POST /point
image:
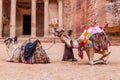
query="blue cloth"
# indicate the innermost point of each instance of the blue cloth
(29, 49)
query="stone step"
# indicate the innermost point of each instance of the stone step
(42, 39)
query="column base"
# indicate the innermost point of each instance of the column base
(12, 31)
(49, 36)
(33, 36)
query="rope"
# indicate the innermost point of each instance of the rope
(51, 45)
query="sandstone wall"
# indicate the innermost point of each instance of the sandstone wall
(100, 11)
(6, 13)
(113, 13)
(69, 15)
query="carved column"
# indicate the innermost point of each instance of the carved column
(1, 18)
(60, 8)
(33, 21)
(46, 26)
(13, 18)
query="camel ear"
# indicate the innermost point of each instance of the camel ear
(62, 30)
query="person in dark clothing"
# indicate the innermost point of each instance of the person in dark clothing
(68, 52)
(15, 40)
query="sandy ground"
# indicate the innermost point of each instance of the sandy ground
(60, 70)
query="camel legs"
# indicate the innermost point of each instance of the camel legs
(105, 57)
(90, 54)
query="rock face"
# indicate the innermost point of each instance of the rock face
(113, 13)
(87, 12)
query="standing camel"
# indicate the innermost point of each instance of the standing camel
(88, 46)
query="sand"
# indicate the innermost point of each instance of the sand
(60, 70)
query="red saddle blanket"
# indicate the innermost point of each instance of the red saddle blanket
(100, 41)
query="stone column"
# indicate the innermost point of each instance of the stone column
(46, 26)
(1, 18)
(13, 18)
(33, 21)
(60, 5)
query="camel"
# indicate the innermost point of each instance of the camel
(13, 51)
(88, 47)
(16, 54)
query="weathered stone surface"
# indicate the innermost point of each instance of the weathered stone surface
(88, 12)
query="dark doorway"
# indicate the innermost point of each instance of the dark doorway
(26, 24)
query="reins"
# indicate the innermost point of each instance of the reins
(51, 45)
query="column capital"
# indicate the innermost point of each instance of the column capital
(14, 0)
(59, 0)
(46, 0)
(33, 1)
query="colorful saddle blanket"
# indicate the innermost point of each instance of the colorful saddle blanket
(88, 32)
(33, 54)
(41, 56)
(96, 35)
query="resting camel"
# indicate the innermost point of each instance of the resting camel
(17, 54)
(13, 51)
(88, 47)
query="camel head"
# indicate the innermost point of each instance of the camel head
(8, 41)
(57, 32)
